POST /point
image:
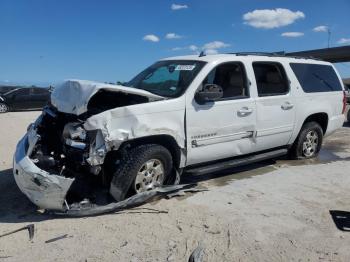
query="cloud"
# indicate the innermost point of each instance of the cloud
(193, 47)
(215, 45)
(210, 48)
(211, 51)
(321, 28)
(344, 41)
(178, 7)
(272, 18)
(292, 34)
(152, 38)
(177, 48)
(172, 36)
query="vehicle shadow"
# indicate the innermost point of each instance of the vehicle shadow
(14, 205)
(341, 219)
(16, 208)
(227, 175)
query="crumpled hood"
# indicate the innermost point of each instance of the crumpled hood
(73, 96)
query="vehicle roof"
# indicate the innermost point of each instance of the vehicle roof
(247, 57)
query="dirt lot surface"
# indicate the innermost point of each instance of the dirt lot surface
(273, 211)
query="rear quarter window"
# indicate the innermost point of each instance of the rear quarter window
(316, 78)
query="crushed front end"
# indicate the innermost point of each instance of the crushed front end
(57, 163)
(68, 157)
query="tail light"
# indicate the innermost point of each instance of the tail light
(344, 103)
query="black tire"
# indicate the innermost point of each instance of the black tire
(297, 151)
(348, 116)
(126, 171)
(4, 108)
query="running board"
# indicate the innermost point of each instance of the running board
(236, 162)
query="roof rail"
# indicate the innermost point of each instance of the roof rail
(273, 54)
(261, 53)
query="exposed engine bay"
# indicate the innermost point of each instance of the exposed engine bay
(63, 149)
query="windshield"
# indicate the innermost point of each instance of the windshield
(167, 78)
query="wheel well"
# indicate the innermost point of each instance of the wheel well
(320, 118)
(164, 140)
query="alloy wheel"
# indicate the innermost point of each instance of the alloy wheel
(149, 176)
(310, 143)
(3, 108)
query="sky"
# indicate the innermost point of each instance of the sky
(46, 41)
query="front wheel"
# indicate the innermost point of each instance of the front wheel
(309, 141)
(143, 168)
(3, 108)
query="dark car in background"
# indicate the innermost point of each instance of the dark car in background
(5, 89)
(26, 98)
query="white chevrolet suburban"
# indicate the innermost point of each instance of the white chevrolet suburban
(192, 113)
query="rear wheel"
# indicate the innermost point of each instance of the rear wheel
(143, 168)
(309, 141)
(3, 108)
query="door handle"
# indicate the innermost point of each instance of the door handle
(287, 106)
(245, 111)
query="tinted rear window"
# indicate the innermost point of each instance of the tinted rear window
(316, 78)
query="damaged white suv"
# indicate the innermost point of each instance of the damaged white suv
(193, 113)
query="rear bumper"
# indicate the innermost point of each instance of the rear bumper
(45, 190)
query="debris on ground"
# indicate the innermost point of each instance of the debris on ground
(197, 254)
(56, 238)
(29, 227)
(133, 201)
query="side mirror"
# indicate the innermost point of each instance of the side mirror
(209, 93)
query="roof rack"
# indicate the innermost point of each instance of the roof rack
(282, 53)
(273, 54)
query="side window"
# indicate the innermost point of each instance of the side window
(39, 91)
(231, 78)
(22, 92)
(316, 78)
(271, 79)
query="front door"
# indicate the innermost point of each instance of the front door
(223, 128)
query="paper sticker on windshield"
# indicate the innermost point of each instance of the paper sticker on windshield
(185, 67)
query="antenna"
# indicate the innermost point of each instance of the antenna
(329, 36)
(202, 54)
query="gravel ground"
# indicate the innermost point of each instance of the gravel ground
(272, 211)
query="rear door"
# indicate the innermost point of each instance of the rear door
(275, 105)
(224, 128)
